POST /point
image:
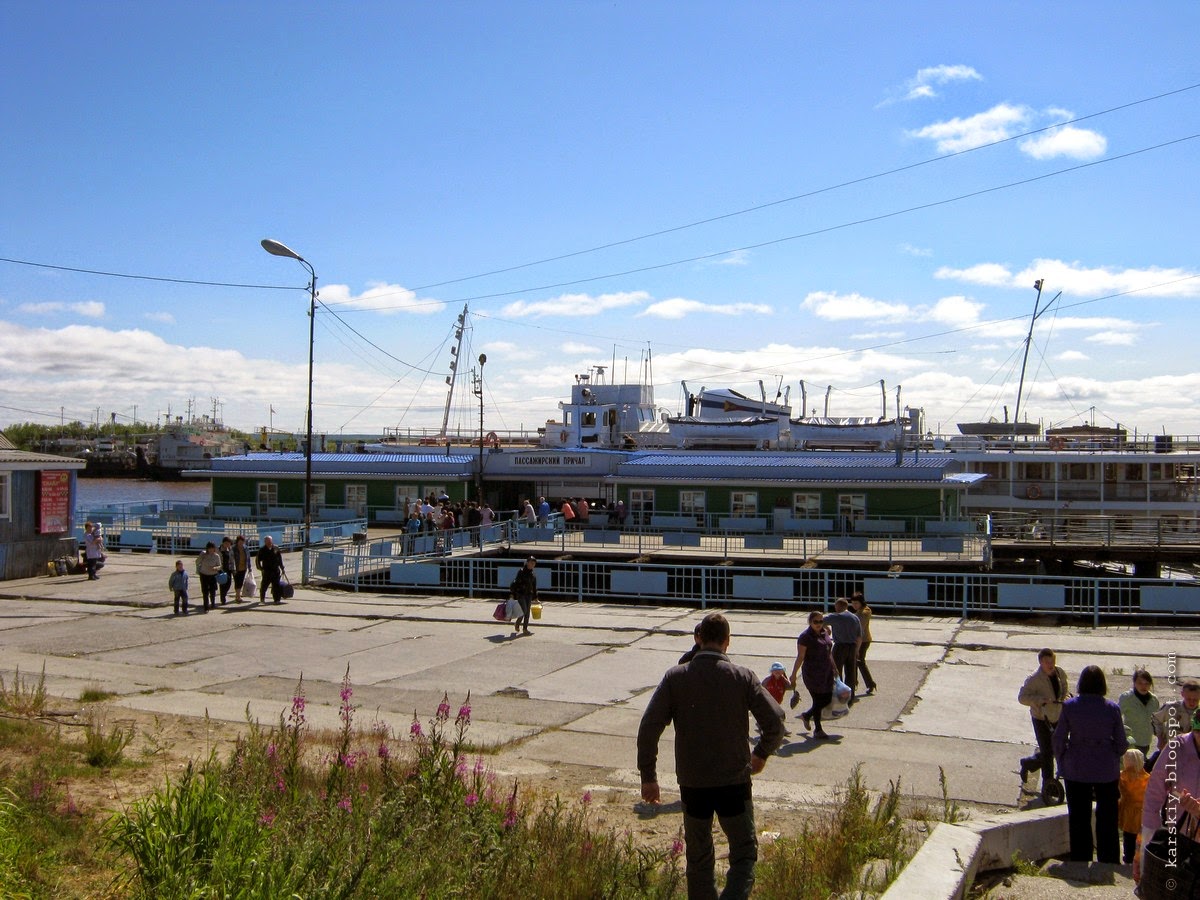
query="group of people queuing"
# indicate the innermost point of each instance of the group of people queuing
(1110, 754)
(576, 512)
(228, 566)
(437, 515)
(710, 700)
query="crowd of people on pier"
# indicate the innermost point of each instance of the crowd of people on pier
(231, 567)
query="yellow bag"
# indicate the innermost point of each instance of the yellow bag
(536, 610)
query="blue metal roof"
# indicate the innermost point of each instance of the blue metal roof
(802, 466)
(379, 464)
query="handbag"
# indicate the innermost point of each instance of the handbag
(286, 591)
(1171, 863)
(222, 578)
(500, 613)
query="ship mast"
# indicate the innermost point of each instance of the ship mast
(453, 377)
(1028, 339)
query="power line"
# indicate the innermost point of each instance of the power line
(262, 287)
(804, 196)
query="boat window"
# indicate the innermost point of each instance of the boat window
(1037, 471)
(641, 505)
(743, 504)
(1080, 472)
(1135, 472)
(5, 492)
(691, 503)
(356, 498)
(405, 495)
(316, 497)
(268, 496)
(589, 420)
(806, 506)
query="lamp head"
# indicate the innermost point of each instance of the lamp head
(277, 249)
(482, 359)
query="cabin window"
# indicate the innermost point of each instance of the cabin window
(589, 420)
(316, 497)
(641, 505)
(691, 503)
(1038, 471)
(610, 417)
(356, 498)
(806, 506)
(5, 495)
(851, 508)
(1080, 472)
(1135, 472)
(268, 496)
(406, 496)
(743, 504)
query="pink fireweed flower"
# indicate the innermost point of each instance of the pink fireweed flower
(443, 710)
(460, 767)
(267, 817)
(471, 799)
(478, 770)
(345, 803)
(676, 847)
(587, 797)
(464, 712)
(383, 752)
(271, 751)
(280, 786)
(414, 730)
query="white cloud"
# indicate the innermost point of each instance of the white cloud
(379, 297)
(679, 307)
(1076, 143)
(736, 258)
(91, 309)
(1077, 280)
(835, 307)
(575, 305)
(1113, 338)
(161, 316)
(1072, 356)
(955, 311)
(1000, 122)
(923, 85)
(578, 349)
(915, 251)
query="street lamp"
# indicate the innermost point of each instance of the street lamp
(479, 394)
(277, 249)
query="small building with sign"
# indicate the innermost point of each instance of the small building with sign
(37, 500)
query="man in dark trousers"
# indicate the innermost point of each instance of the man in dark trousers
(270, 562)
(709, 700)
(847, 639)
(525, 589)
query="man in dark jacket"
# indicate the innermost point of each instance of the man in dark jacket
(270, 563)
(709, 700)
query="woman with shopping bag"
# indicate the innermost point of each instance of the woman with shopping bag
(814, 662)
(524, 591)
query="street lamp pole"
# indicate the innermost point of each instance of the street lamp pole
(277, 249)
(479, 393)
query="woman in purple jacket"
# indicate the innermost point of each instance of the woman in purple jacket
(1089, 741)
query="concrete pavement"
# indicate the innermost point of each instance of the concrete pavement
(573, 691)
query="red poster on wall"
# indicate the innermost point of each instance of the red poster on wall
(54, 502)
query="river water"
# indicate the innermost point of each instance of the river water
(92, 492)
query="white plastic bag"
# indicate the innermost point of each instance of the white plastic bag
(249, 585)
(514, 609)
(840, 704)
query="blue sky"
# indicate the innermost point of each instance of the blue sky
(785, 159)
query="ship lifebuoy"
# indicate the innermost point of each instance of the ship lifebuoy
(1057, 443)
(1033, 492)
(562, 436)
(493, 439)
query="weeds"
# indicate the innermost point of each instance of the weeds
(830, 856)
(104, 747)
(94, 693)
(1023, 866)
(24, 698)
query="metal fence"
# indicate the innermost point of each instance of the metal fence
(430, 570)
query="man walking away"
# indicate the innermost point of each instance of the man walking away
(270, 562)
(709, 701)
(847, 639)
